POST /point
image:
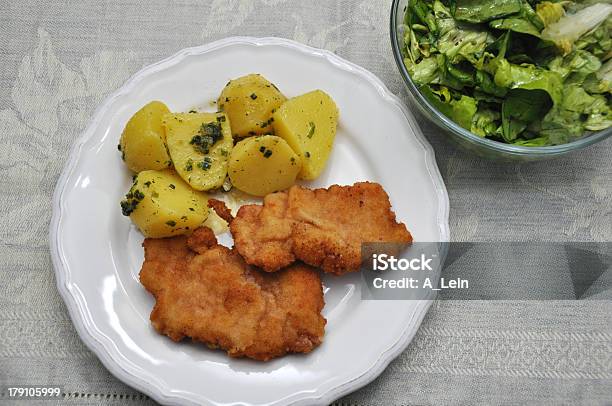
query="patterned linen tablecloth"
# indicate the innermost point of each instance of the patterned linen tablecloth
(60, 59)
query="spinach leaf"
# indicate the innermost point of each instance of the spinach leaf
(520, 108)
(526, 21)
(515, 24)
(479, 11)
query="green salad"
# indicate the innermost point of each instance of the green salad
(524, 72)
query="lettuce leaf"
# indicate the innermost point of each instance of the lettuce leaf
(425, 71)
(529, 78)
(576, 99)
(463, 111)
(601, 81)
(561, 126)
(485, 122)
(549, 12)
(598, 41)
(456, 42)
(421, 10)
(599, 114)
(578, 112)
(579, 63)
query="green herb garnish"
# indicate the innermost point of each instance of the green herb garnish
(131, 200)
(205, 164)
(206, 137)
(311, 129)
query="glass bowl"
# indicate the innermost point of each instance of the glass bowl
(482, 146)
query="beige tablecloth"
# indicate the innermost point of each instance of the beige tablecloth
(59, 59)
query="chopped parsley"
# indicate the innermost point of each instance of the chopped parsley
(189, 165)
(129, 204)
(171, 186)
(311, 129)
(205, 164)
(267, 154)
(253, 96)
(307, 154)
(206, 137)
(171, 223)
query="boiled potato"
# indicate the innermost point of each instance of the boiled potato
(161, 204)
(249, 102)
(143, 142)
(263, 164)
(308, 124)
(199, 144)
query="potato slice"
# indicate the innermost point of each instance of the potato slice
(199, 144)
(161, 204)
(263, 164)
(308, 124)
(143, 141)
(249, 102)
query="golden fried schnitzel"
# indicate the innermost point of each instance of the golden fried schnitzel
(206, 291)
(322, 227)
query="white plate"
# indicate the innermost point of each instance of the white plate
(97, 253)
